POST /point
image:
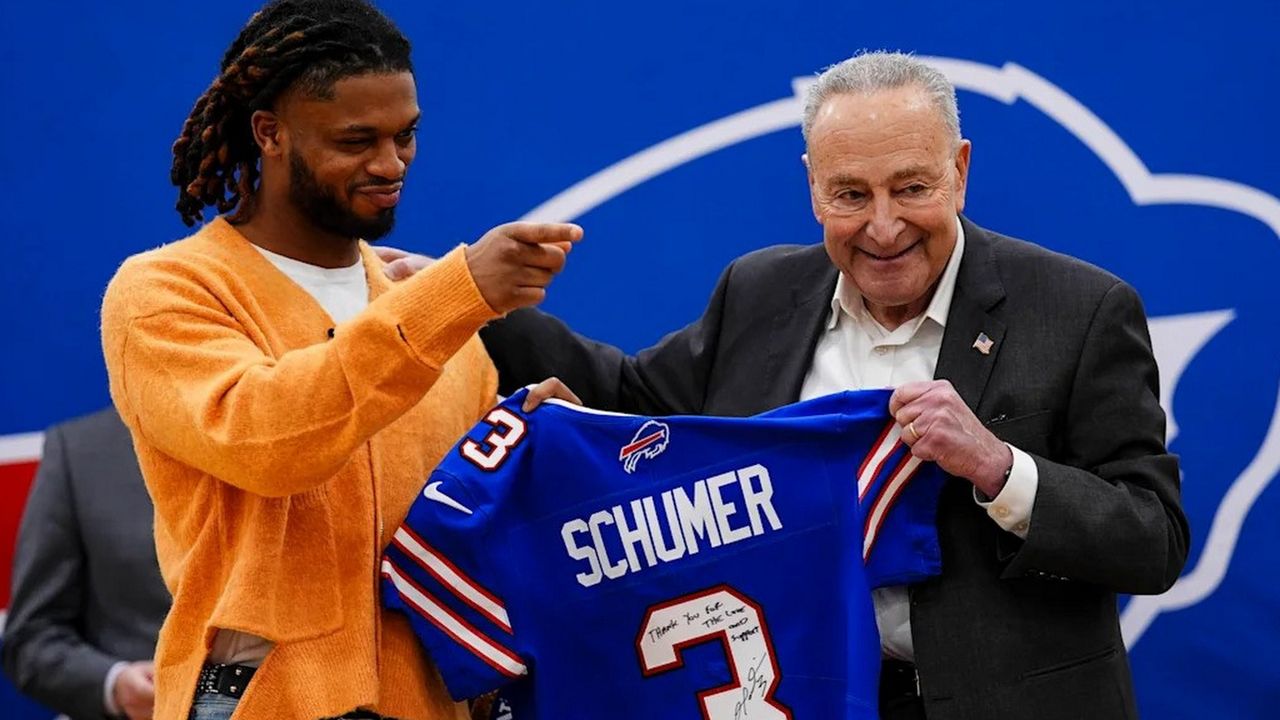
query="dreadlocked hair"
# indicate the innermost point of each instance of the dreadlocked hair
(310, 44)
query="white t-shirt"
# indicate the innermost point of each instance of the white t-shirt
(342, 292)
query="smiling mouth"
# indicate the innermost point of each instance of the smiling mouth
(383, 196)
(895, 256)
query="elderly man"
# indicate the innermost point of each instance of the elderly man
(1025, 374)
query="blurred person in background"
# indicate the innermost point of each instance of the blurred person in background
(87, 595)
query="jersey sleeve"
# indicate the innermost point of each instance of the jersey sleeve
(897, 493)
(443, 568)
(898, 507)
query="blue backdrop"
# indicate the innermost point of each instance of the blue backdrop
(1140, 136)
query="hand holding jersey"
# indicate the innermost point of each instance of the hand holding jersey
(546, 390)
(940, 427)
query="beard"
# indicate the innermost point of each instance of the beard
(320, 205)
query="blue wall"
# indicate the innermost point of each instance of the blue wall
(1079, 118)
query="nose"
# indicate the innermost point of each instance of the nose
(387, 164)
(885, 225)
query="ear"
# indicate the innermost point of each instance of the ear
(268, 133)
(813, 195)
(962, 172)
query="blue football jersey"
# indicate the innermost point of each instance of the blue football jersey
(597, 564)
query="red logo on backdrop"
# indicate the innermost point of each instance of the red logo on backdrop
(19, 456)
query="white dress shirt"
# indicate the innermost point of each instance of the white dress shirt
(856, 353)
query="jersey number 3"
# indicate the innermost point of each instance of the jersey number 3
(508, 431)
(719, 613)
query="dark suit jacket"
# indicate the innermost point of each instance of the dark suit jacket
(1011, 629)
(86, 585)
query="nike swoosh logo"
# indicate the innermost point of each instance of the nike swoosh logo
(432, 492)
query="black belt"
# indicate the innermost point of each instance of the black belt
(231, 680)
(219, 679)
(898, 679)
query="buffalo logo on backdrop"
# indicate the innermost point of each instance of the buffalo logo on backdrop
(1197, 248)
(1202, 251)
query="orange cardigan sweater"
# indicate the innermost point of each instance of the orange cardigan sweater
(281, 462)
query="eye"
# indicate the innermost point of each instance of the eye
(353, 143)
(915, 189)
(850, 195)
(406, 137)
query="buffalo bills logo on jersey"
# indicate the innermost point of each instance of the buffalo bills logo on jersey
(649, 442)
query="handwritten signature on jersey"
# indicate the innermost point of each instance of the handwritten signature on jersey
(757, 681)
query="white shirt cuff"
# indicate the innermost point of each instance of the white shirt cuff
(109, 688)
(1011, 509)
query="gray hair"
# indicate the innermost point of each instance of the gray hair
(869, 72)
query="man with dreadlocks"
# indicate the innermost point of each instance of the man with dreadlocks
(285, 400)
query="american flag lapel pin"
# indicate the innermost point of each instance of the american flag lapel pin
(983, 344)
